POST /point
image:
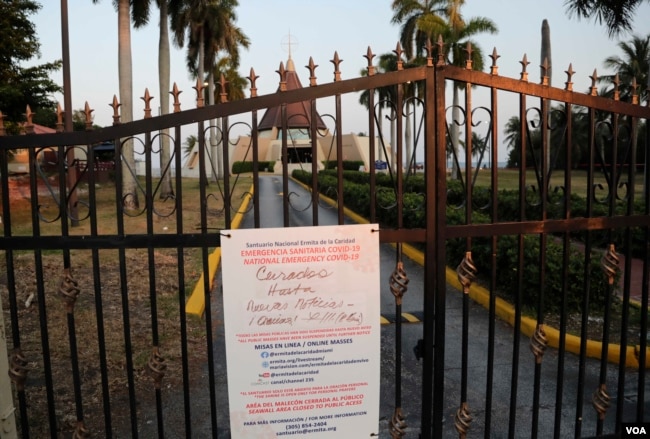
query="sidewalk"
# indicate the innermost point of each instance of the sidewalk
(636, 279)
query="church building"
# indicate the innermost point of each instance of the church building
(299, 149)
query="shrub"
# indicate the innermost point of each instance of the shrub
(242, 167)
(558, 278)
(348, 165)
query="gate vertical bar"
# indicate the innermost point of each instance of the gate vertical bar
(587, 278)
(40, 292)
(627, 269)
(69, 289)
(399, 279)
(439, 253)
(156, 363)
(539, 341)
(252, 78)
(225, 145)
(181, 272)
(371, 139)
(466, 271)
(566, 255)
(7, 417)
(514, 378)
(124, 291)
(646, 275)
(428, 305)
(203, 182)
(313, 137)
(600, 397)
(340, 203)
(97, 290)
(17, 361)
(493, 245)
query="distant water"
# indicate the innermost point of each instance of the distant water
(483, 164)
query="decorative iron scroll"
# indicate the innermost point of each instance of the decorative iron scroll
(538, 343)
(18, 369)
(397, 424)
(462, 420)
(610, 262)
(157, 367)
(80, 432)
(69, 290)
(466, 272)
(399, 282)
(600, 400)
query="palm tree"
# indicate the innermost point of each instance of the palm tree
(387, 98)
(616, 15)
(634, 64)
(419, 19)
(425, 19)
(384, 100)
(210, 28)
(166, 189)
(227, 39)
(138, 10)
(235, 85)
(190, 143)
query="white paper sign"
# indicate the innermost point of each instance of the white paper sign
(302, 323)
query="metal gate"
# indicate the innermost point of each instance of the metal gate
(100, 340)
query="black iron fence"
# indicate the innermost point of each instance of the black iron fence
(97, 275)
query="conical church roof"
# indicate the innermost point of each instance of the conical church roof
(298, 113)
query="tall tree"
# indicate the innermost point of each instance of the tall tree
(209, 28)
(546, 69)
(420, 19)
(616, 15)
(22, 86)
(426, 19)
(164, 68)
(387, 97)
(138, 11)
(634, 64)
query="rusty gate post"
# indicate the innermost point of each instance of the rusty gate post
(7, 418)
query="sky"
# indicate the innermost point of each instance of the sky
(316, 29)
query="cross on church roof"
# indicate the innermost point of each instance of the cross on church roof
(287, 42)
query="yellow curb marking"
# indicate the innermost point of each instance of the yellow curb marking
(195, 305)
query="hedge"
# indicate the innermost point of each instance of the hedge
(357, 197)
(242, 167)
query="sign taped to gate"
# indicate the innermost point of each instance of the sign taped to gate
(302, 326)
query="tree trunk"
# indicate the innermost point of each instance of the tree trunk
(380, 154)
(129, 185)
(454, 135)
(408, 139)
(214, 142)
(393, 140)
(201, 76)
(166, 189)
(546, 60)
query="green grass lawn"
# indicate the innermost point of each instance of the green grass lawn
(509, 179)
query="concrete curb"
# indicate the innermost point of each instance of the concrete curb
(195, 305)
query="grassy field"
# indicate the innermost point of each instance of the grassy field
(102, 305)
(509, 179)
(105, 207)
